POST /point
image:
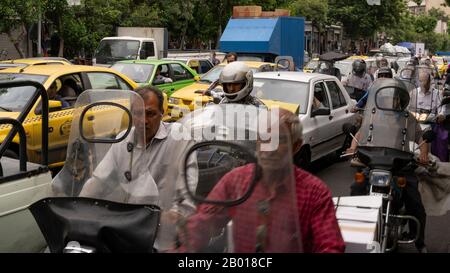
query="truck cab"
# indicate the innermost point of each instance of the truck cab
(114, 49)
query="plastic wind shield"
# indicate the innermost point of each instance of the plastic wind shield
(244, 189)
(105, 155)
(387, 122)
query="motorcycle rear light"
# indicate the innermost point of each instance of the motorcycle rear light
(401, 182)
(359, 177)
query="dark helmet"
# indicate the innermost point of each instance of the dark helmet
(414, 61)
(385, 72)
(359, 67)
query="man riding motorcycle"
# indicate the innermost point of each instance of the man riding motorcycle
(389, 125)
(259, 203)
(237, 83)
(383, 64)
(358, 81)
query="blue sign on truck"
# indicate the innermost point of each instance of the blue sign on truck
(263, 39)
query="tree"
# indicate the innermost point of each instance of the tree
(18, 15)
(368, 19)
(315, 11)
(425, 24)
(438, 14)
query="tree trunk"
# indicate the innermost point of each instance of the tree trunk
(61, 47)
(17, 42)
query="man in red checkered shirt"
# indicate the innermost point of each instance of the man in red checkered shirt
(303, 207)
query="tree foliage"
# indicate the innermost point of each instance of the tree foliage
(361, 20)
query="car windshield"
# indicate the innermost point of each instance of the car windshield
(214, 74)
(110, 51)
(283, 91)
(139, 73)
(15, 99)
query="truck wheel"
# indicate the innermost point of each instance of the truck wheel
(303, 158)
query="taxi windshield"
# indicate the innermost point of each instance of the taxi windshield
(14, 99)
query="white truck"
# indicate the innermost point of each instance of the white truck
(132, 44)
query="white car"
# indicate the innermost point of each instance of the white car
(296, 91)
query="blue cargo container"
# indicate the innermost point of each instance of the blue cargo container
(265, 38)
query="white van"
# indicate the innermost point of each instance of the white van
(114, 49)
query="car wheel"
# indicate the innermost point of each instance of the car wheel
(303, 158)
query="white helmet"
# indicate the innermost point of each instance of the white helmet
(237, 72)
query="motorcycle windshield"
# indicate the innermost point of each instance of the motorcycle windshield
(245, 190)
(387, 121)
(105, 155)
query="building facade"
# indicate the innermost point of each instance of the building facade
(426, 6)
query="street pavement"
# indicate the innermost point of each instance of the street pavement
(339, 176)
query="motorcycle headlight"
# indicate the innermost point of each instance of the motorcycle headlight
(174, 101)
(380, 178)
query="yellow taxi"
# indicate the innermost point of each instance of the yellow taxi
(69, 81)
(311, 65)
(33, 61)
(357, 57)
(441, 64)
(190, 97)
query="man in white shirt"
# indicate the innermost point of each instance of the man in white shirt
(162, 157)
(427, 101)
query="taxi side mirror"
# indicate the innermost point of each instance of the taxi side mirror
(196, 78)
(54, 105)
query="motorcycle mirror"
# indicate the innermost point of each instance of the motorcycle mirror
(94, 130)
(215, 160)
(429, 136)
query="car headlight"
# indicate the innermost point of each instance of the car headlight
(380, 178)
(174, 101)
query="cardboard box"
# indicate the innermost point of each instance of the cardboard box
(360, 220)
(282, 12)
(268, 14)
(247, 11)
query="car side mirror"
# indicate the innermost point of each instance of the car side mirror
(197, 78)
(321, 112)
(54, 105)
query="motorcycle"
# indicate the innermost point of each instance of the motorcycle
(100, 205)
(238, 206)
(385, 155)
(96, 204)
